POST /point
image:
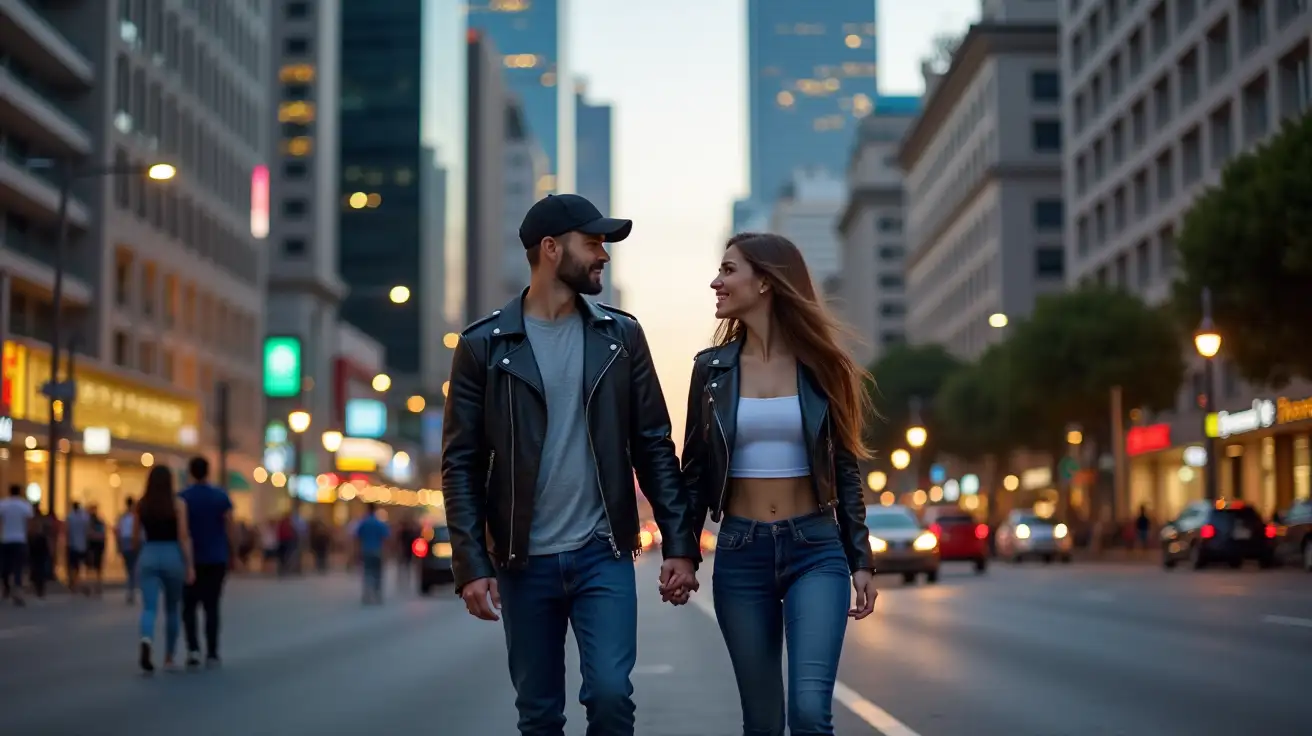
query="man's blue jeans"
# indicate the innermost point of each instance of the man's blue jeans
(596, 594)
(783, 580)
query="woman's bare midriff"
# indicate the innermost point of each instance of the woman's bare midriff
(770, 499)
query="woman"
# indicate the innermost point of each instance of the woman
(775, 415)
(164, 561)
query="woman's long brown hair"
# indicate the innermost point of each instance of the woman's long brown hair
(158, 501)
(810, 330)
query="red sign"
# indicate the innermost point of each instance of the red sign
(260, 202)
(1151, 438)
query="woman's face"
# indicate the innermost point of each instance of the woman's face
(738, 290)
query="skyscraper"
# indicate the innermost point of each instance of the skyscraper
(530, 34)
(397, 99)
(593, 173)
(811, 78)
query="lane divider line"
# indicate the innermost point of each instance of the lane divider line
(1305, 623)
(876, 717)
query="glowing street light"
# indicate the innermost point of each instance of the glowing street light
(998, 320)
(399, 294)
(451, 340)
(876, 479)
(917, 436)
(298, 421)
(415, 404)
(161, 172)
(900, 459)
(382, 382)
(332, 440)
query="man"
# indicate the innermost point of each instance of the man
(553, 404)
(77, 531)
(128, 553)
(15, 523)
(213, 537)
(371, 539)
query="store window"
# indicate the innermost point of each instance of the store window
(1302, 467)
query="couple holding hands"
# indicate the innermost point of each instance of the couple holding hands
(554, 405)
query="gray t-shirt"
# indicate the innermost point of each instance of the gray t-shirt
(76, 527)
(567, 507)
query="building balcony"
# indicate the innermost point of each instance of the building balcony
(35, 196)
(25, 35)
(31, 116)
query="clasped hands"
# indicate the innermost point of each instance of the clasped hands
(678, 580)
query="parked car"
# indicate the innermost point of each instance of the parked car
(1227, 530)
(902, 544)
(433, 548)
(960, 537)
(1026, 535)
(1294, 535)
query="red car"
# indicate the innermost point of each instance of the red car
(960, 537)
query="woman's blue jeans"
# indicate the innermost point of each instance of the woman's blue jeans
(162, 570)
(775, 582)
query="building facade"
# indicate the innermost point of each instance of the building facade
(870, 295)
(806, 213)
(485, 188)
(593, 168)
(163, 288)
(531, 37)
(983, 182)
(1158, 99)
(525, 163)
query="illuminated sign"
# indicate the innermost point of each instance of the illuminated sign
(366, 418)
(363, 455)
(1036, 478)
(6, 429)
(1151, 438)
(1227, 423)
(96, 440)
(1195, 456)
(282, 367)
(1288, 410)
(260, 202)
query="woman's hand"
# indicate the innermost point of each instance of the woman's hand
(191, 575)
(863, 582)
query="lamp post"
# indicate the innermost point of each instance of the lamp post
(917, 436)
(56, 390)
(1207, 341)
(298, 422)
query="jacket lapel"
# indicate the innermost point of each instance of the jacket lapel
(814, 405)
(600, 349)
(723, 387)
(518, 359)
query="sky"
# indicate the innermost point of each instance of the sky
(675, 72)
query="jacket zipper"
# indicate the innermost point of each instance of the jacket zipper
(724, 438)
(510, 394)
(829, 466)
(491, 463)
(587, 415)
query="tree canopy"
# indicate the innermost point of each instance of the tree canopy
(1249, 239)
(981, 408)
(904, 373)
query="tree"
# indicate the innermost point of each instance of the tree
(904, 373)
(979, 409)
(1077, 345)
(1249, 240)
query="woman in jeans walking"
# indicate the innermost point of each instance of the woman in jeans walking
(775, 415)
(164, 562)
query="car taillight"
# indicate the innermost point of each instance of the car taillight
(981, 531)
(1207, 532)
(936, 530)
(419, 547)
(1270, 531)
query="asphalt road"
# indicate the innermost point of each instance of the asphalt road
(1029, 651)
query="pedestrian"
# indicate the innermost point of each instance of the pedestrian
(165, 562)
(371, 536)
(286, 531)
(320, 544)
(126, 550)
(1142, 524)
(553, 405)
(775, 421)
(41, 536)
(269, 546)
(15, 522)
(77, 530)
(213, 539)
(95, 561)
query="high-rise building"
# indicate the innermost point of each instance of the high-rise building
(402, 102)
(870, 294)
(983, 186)
(163, 281)
(805, 213)
(593, 173)
(485, 188)
(530, 34)
(811, 77)
(525, 163)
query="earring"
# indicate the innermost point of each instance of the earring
(763, 288)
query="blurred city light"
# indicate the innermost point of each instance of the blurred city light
(1208, 342)
(997, 320)
(298, 421)
(162, 172)
(450, 340)
(1011, 482)
(382, 382)
(415, 404)
(876, 479)
(917, 436)
(332, 440)
(399, 294)
(900, 459)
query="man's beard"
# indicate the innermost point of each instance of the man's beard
(577, 275)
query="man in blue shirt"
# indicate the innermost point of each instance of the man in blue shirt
(371, 536)
(209, 518)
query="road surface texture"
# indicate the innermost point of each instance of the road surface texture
(1023, 651)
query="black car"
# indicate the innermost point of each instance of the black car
(1218, 531)
(1294, 535)
(433, 549)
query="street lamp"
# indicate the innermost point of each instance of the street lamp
(876, 479)
(998, 320)
(298, 421)
(399, 294)
(1207, 341)
(332, 440)
(916, 437)
(55, 389)
(382, 382)
(900, 459)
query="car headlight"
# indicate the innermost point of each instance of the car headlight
(441, 549)
(1022, 531)
(1060, 531)
(925, 542)
(878, 545)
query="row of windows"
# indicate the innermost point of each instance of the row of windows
(1152, 261)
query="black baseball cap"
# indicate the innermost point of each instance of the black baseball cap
(557, 214)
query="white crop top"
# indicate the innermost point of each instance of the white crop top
(769, 441)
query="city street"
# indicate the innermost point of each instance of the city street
(1080, 649)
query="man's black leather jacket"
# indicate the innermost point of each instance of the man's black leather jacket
(709, 439)
(496, 421)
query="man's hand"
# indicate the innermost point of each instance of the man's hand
(678, 580)
(482, 599)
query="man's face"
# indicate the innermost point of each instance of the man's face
(583, 258)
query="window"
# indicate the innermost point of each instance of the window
(891, 252)
(1049, 214)
(1045, 86)
(121, 349)
(297, 9)
(294, 169)
(1046, 136)
(1050, 261)
(890, 225)
(892, 309)
(296, 46)
(890, 281)
(293, 247)
(295, 207)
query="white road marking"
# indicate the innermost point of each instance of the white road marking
(1305, 623)
(18, 631)
(653, 669)
(878, 718)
